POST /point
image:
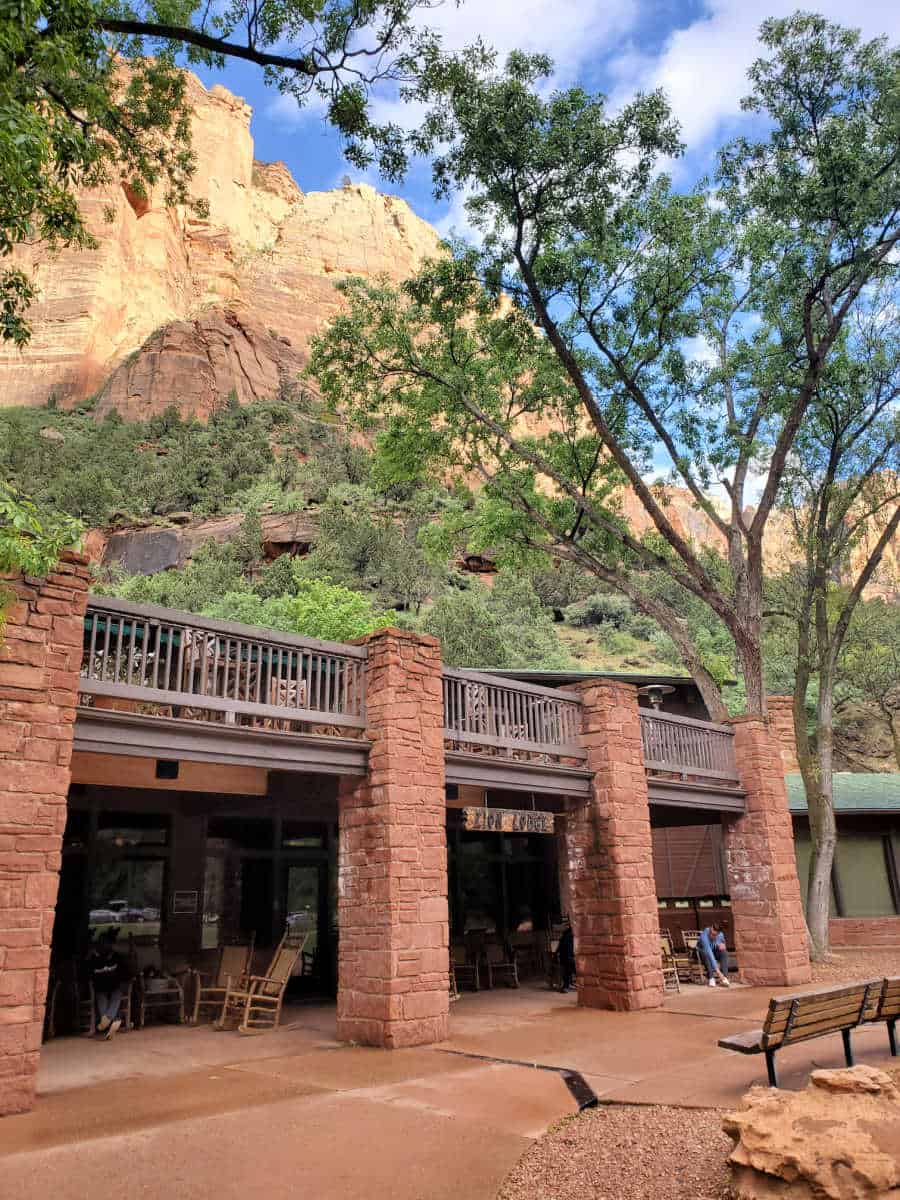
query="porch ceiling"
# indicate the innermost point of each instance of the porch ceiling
(518, 775)
(673, 793)
(108, 732)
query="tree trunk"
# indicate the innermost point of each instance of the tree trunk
(894, 724)
(749, 653)
(823, 831)
(818, 779)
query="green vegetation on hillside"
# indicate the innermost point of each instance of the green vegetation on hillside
(383, 554)
(110, 470)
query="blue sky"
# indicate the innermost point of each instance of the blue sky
(697, 51)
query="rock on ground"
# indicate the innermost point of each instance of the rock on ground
(839, 1139)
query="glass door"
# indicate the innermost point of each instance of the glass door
(305, 908)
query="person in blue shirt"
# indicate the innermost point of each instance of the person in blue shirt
(714, 955)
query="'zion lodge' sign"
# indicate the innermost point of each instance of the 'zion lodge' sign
(507, 820)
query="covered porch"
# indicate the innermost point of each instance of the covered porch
(251, 778)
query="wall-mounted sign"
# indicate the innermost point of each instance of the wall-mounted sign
(507, 820)
(184, 904)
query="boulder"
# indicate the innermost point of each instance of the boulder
(839, 1139)
(159, 548)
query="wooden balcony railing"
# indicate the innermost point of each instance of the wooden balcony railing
(488, 715)
(688, 748)
(161, 662)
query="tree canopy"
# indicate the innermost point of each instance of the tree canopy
(31, 539)
(614, 332)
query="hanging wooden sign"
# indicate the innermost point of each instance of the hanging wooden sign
(507, 820)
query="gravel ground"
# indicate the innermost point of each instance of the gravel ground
(625, 1152)
(851, 966)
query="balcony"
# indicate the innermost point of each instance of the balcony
(191, 676)
(173, 684)
(515, 735)
(689, 761)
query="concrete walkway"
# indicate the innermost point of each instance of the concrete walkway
(180, 1112)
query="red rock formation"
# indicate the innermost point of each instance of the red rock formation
(172, 308)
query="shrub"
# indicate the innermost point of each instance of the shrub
(601, 609)
(504, 627)
(317, 609)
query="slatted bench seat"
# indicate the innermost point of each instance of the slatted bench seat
(889, 1010)
(800, 1018)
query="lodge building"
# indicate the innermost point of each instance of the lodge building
(196, 781)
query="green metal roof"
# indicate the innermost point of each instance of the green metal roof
(853, 792)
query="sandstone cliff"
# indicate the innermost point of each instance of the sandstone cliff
(173, 309)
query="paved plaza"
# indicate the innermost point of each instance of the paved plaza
(182, 1112)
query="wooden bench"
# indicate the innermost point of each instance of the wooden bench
(889, 1010)
(800, 1018)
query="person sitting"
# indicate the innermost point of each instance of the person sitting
(107, 973)
(713, 954)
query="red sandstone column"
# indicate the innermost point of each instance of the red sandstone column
(609, 866)
(40, 658)
(769, 927)
(781, 719)
(392, 872)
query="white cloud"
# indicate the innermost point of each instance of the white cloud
(702, 67)
(284, 110)
(573, 32)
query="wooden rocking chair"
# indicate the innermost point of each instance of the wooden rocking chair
(210, 989)
(259, 1000)
(671, 981)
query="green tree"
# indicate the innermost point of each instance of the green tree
(31, 540)
(871, 661)
(90, 94)
(841, 490)
(369, 545)
(610, 278)
(317, 608)
(214, 571)
(504, 626)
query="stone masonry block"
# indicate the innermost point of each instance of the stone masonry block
(39, 661)
(396, 949)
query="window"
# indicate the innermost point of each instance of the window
(244, 833)
(128, 894)
(298, 836)
(862, 872)
(125, 831)
(213, 901)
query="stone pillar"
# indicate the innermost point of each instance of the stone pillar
(392, 866)
(40, 658)
(769, 927)
(781, 720)
(609, 868)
